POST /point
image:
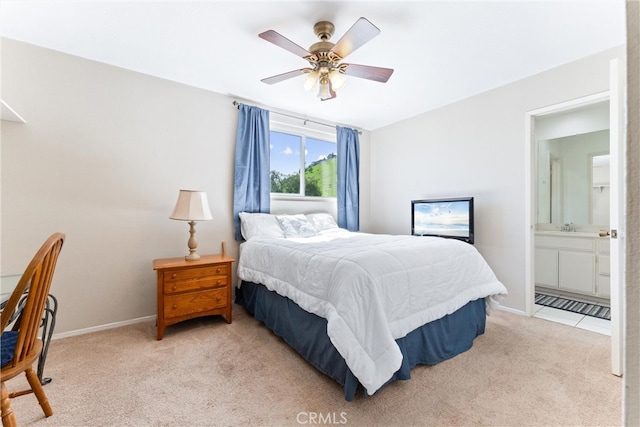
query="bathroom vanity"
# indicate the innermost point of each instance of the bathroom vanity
(573, 262)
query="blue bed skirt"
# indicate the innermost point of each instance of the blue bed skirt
(307, 334)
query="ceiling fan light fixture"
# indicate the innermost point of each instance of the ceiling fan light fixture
(323, 92)
(311, 80)
(337, 78)
(326, 72)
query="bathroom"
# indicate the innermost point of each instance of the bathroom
(572, 241)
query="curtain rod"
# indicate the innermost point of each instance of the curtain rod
(237, 104)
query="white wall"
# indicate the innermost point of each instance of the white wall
(476, 147)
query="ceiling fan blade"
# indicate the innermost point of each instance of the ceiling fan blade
(283, 42)
(368, 72)
(284, 76)
(359, 33)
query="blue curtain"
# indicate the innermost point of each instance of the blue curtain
(251, 183)
(348, 182)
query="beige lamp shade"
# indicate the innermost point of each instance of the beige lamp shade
(192, 206)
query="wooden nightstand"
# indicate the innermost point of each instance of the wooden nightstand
(188, 289)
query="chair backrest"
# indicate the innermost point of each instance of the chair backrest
(37, 279)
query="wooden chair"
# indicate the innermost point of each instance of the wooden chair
(36, 282)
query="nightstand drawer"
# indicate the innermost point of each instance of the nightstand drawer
(194, 302)
(195, 273)
(195, 279)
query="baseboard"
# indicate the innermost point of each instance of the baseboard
(512, 310)
(102, 327)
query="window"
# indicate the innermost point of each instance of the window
(293, 151)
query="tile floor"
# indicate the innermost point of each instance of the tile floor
(581, 321)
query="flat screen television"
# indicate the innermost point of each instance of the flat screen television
(451, 218)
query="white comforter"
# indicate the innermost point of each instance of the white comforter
(372, 289)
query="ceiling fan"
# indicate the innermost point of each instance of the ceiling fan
(327, 73)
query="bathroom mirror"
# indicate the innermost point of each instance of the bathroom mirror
(573, 180)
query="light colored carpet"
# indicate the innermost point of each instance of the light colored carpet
(522, 372)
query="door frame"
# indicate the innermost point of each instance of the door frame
(531, 173)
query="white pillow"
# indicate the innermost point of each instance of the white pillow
(259, 225)
(322, 221)
(296, 226)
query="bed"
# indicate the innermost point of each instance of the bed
(363, 308)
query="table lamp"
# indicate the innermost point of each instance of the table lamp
(192, 206)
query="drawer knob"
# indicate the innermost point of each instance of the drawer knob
(217, 270)
(174, 288)
(174, 275)
(218, 281)
(218, 299)
(174, 306)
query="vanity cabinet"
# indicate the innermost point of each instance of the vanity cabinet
(546, 272)
(576, 271)
(572, 264)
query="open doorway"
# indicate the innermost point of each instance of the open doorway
(576, 252)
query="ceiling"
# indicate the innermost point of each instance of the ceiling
(442, 52)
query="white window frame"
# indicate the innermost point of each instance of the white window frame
(303, 132)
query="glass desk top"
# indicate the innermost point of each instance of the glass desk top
(7, 285)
